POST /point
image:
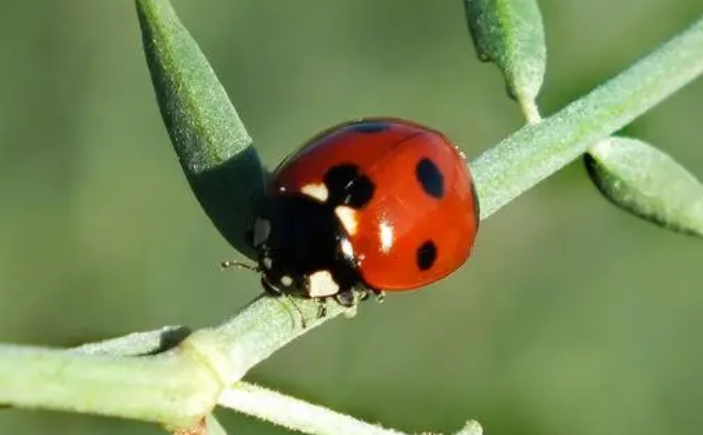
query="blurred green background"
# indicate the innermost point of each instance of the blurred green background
(572, 317)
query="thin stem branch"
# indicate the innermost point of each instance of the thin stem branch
(530, 111)
(296, 414)
(536, 151)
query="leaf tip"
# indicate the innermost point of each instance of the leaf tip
(648, 183)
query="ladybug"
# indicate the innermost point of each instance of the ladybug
(374, 205)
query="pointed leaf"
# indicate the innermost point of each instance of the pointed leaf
(510, 34)
(212, 145)
(648, 183)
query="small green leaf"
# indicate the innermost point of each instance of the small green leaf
(212, 145)
(648, 183)
(510, 34)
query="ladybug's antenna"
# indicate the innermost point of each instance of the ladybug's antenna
(228, 264)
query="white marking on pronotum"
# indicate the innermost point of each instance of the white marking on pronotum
(317, 191)
(386, 234)
(347, 248)
(262, 229)
(267, 262)
(322, 284)
(286, 280)
(348, 217)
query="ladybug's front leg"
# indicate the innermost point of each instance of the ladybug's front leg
(346, 298)
(349, 299)
(321, 307)
(365, 292)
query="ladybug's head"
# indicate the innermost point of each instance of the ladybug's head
(303, 249)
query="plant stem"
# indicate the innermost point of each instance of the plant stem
(172, 391)
(137, 343)
(174, 388)
(530, 111)
(295, 414)
(536, 151)
(305, 417)
(251, 336)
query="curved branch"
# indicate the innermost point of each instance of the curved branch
(305, 417)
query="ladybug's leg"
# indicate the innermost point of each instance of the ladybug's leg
(349, 299)
(346, 298)
(274, 292)
(321, 307)
(364, 293)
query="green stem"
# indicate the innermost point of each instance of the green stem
(530, 111)
(137, 343)
(173, 391)
(174, 388)
(295, 414)
(536, 151)
(251, 336)
(301, 416)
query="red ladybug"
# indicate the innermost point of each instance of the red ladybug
(368, 206)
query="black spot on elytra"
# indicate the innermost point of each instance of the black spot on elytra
(360, 193)
(337, 178)
(426, 255)
(369, 127)
(347, 186)
(430, 178)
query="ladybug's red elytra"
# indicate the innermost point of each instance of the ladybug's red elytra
(379, 204)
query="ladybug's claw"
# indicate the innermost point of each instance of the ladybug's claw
(321, 308)
(346, 298)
